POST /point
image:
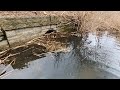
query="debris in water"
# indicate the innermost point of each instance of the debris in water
(2, 73)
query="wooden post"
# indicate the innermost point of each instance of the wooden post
(5, 36)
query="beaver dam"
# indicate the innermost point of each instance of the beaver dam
(67, 53)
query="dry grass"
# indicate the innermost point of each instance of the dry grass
(90, 20)
(51, 41)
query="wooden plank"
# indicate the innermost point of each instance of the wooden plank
(1, 34)
(3, 45)
(1, 38)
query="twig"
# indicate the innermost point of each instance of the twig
(8, 66)
(10, 55)
(4, 51)
(38, 54)
(3, 73)
(63, 12)
(3, 76)
(84, 58)
(27, 49)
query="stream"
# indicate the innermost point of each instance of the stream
(93, 57)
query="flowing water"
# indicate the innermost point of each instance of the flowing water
(92, 57)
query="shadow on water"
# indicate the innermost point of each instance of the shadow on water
(92, 56)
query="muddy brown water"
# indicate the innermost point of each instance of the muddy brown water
(96, 56)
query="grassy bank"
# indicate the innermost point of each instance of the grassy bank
(89, 20)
